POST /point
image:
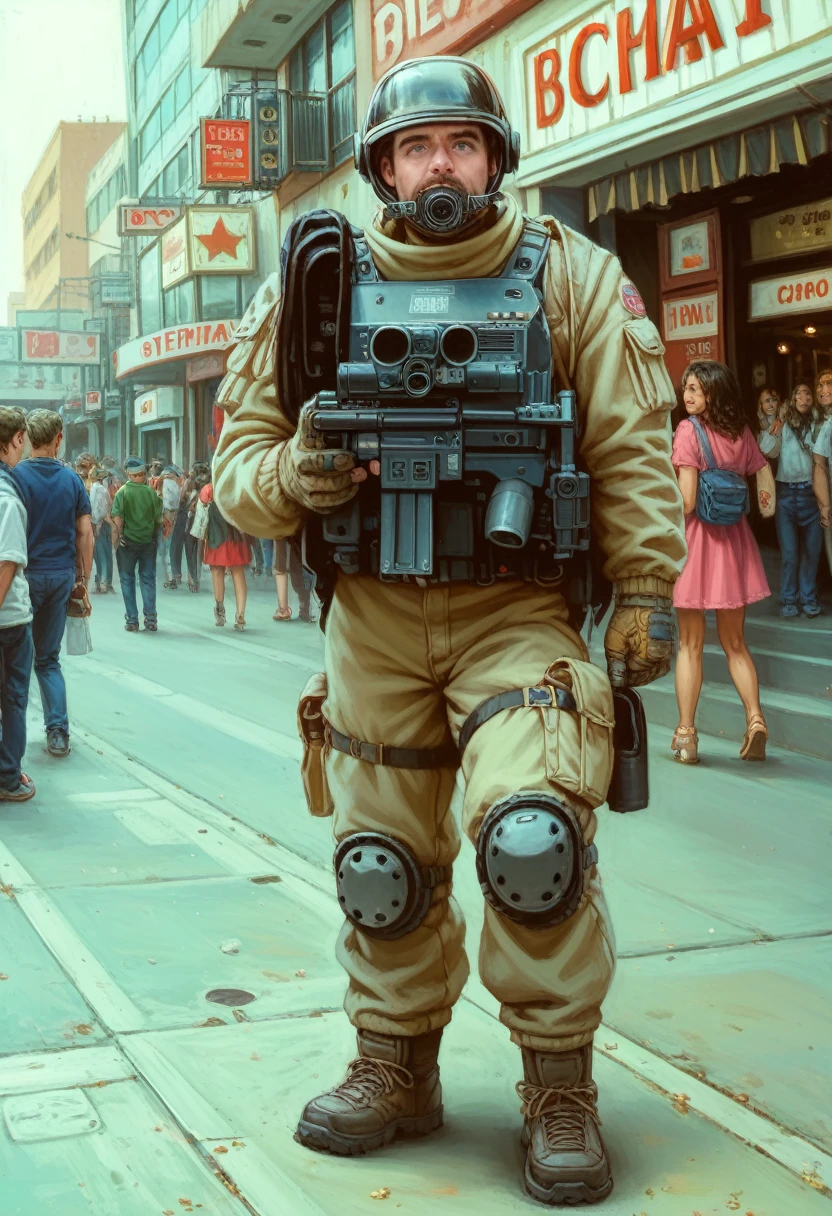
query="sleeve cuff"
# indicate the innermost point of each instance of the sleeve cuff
(645, 584)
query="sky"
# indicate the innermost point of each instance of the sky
(58, 59)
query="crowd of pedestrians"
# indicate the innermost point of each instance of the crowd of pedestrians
(60, 522)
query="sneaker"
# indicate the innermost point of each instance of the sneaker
(22, 792)
(150, 626)
(57, 742)
(132, 626)
(788, 610)
(811, 610)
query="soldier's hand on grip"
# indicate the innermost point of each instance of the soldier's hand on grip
(639, 640)
(315, 476)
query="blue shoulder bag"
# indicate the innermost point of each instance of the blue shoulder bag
(722, 496)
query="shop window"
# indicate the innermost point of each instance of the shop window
(150, 301)
(219, 297)
(179, 303)
(324, 63)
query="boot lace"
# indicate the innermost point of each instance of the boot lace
(561, 1112)
(368, 1078)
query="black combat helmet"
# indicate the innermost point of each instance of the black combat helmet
(437, 88)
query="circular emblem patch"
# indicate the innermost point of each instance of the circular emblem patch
(632, 300)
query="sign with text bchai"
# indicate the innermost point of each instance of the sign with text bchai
(226, 151)
(798, 230)
(59, 346)
(800, 291)
(618, 60)
(404, 29)
(136, 220)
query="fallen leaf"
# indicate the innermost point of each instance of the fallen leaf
(238, 1143)
(733, 1205)
(220, 1149)
(680, 1101)
(3, 975)
(383, 1193)
(83, 1028)
(650, 1192)
(301, 974)
(186, 1203)
(317, 1014)
(610, 1047)
(742, 1097)
(7, 889)
(255, 1056)
(811, 1177)
(157, 1129)
(168, 1212)
(209, 1022)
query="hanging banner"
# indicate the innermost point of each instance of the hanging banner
(59, 346)
(175, 262)
(226, 152)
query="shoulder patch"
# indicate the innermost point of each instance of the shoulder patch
(632, 300)
(266, 297)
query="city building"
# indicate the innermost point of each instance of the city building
(14, 302)
(53, 205)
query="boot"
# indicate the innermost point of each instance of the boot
(566, 1162)
(391, 1089)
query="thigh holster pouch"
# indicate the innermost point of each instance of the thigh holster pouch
(531, 859)
(382, 888)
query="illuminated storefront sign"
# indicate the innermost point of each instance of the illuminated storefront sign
(158, 403)
(209, 240)
(177, 342)
(226, 151)
(614, 62)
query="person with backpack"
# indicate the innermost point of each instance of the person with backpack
(225, 549)
(713, 452)
(799, 534)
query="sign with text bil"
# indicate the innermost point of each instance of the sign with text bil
(405, 29)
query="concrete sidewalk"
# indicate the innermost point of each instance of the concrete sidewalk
(172, 1000)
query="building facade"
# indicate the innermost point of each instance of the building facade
(53, 205)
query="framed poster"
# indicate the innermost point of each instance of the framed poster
(689, 252)
(692, 329)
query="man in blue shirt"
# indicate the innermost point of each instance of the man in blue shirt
(61, 544)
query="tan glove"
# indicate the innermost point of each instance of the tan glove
(639, 637)
(312, 475)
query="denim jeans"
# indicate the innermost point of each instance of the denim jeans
(177, 543)
(15, 673)
(801, 540)
(131, 555)
(50, 595)
(103, 554)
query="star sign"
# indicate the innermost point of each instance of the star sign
(220, 240)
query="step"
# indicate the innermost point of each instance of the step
(810, 676)
(803, 724)
(794, 635)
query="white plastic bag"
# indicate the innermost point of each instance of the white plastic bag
(78, 637)
(199, 528)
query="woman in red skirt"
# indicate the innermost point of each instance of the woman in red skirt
(225, 549)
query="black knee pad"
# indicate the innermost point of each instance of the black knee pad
(382, 888)
(531, 859)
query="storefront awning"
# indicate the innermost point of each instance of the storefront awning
(793, 140)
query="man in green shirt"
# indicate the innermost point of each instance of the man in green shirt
(137, 514)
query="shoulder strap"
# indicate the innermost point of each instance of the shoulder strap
(530, 253)
(705, 444)
(364, 268)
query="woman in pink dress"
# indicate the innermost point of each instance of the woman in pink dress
(724, 570)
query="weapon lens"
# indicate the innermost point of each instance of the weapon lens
(390, 345)
(418, 378)
(508, 520)
(458, 345)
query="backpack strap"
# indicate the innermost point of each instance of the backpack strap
(530, 253)
(705, 444)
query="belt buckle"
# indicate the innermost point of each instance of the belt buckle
(355, 749)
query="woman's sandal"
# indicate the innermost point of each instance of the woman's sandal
(756, 736)
(219, 613)
(685, 744)
(239, 622)
(282, 614)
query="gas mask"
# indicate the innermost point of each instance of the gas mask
(442, 209)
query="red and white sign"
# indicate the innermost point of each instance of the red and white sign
(92, 400)
(175, 264)
(801, 291)
(177, 342)
(691, 317)
(618, 60)
(404, 29)
(146, 408)
(226, 151)
(59, 346)
(134, 220)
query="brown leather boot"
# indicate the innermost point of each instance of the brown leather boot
(392, 1089)
(566, 1160)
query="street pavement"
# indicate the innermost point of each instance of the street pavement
(169, 996)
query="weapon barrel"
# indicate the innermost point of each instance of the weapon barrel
(383, 420)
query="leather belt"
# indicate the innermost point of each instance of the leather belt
(445, 756)
(560, 697)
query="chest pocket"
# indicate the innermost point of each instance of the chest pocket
(644, 355)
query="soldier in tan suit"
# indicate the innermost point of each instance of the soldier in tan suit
(414, 665)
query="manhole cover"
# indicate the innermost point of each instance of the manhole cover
(232, 997)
